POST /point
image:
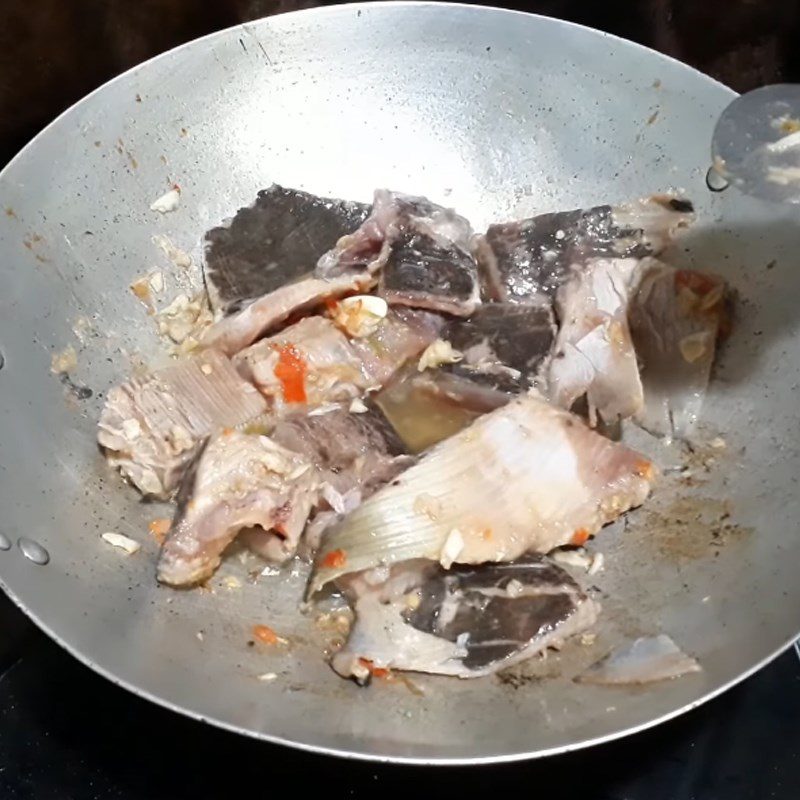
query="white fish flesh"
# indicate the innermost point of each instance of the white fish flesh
(234, 333)
(151, 427)
(525, 478)
(264, 489)
(241, 481)
(646, 660)
(676, 318)
(466, 621)
(594, 352)
(313, 363)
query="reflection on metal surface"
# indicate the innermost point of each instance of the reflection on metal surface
(716, 182)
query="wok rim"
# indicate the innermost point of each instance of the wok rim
(352, 754)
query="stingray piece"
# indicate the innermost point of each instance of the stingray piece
(527, 260)
(527, 477)
(594, 353)
(466, 621)
(152, 426)
(354, 455)
(422, 251)
(273, 242)
(264, 489)
(350, 451)
(241, 481)
(430, 265)
(503, 347)
(313, 362)
(676, 318)
(233, 333)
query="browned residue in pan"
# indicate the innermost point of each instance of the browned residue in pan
(686, 528)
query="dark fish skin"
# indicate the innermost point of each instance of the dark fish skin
(423, 273)
(273, 242)
(337, 440)
(528, 260)
(531, 261)
(466, 621)
(499, 624)
(423, 252)
(518, 336)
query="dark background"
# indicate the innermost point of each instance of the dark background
(67, 734)
(52, 52)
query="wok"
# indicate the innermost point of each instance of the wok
(499, 114)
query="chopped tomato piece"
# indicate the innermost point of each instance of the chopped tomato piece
(291, 372)
(580, 537)
(335, 559)
(265, 634)
(159, 528)
(376, 672)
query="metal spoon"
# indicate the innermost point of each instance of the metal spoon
(756, 145)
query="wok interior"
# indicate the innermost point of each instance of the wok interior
(501, 116)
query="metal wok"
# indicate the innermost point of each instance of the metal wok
(499, 114)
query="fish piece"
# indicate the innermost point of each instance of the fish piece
(367, 247)
(594, 352)
(505, 346)
(423, 252)
(467, 621)
(313, 363)
(429, 263)
(152, 426)
(352, 455)
(232, 334)
(646, 660)
(527, 260)
(277, 240)
(403, 335)
(424, 271)
(350, 451)
(527, 477)
(241, 481)
(518, 337)
(676, 318)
